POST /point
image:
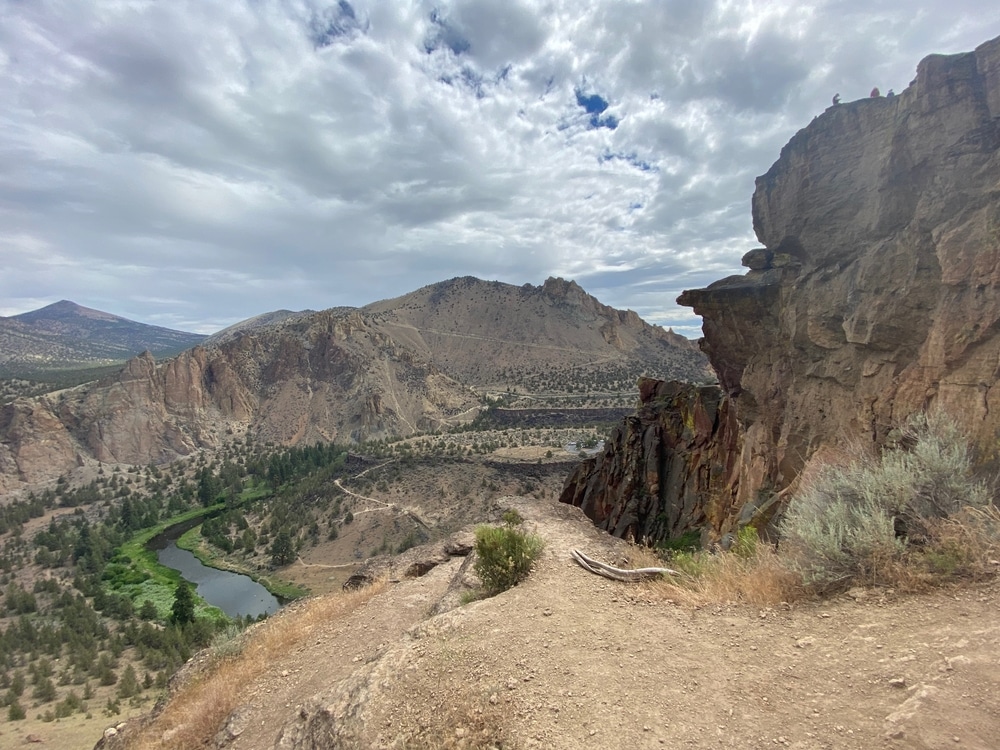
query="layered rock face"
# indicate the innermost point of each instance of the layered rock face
(332, 377)
(668, 469)
(877, 291)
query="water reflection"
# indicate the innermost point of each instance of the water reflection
(235, 594)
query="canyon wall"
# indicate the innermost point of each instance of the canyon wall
(876, 294)
(667, 470)
(394, 368)
(330, 377)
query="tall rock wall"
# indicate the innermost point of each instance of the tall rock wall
(876, 293)
(666, 470)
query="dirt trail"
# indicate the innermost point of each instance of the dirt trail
(570, 660)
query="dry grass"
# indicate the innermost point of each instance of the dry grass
(757, 577)
(196, 712)
(963, 547)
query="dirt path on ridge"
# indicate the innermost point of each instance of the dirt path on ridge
(568, 660)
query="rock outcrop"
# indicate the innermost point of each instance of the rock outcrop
(665, 471)
(877, 291)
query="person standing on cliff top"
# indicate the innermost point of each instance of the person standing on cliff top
(875, 93)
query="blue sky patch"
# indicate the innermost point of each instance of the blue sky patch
(444, 34)
(630, 158)
(595, 105)
(333, 23)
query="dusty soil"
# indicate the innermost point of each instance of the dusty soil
(569, 660)
(76, 732)
(442, 493)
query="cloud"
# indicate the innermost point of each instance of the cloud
(334, 23)
(197, 163)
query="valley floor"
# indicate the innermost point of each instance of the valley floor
(569, 660)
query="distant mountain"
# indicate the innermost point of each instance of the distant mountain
(417, 363)
(257, 321)
(66, 335)
(487, 333)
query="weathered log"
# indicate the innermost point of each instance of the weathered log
(619, 574)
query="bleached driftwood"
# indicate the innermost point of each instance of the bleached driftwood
(618, 574)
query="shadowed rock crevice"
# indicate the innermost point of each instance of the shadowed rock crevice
(665, 471)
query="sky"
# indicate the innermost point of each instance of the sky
(189, 164)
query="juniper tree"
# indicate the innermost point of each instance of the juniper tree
(182, 610)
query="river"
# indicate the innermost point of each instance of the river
(235, 594)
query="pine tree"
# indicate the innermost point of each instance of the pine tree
(148, 610)
(128, 685)
(182, 610)
(208, 487)
(282, 551)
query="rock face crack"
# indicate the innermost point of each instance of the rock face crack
(665, 471)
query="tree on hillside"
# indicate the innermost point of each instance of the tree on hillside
(282, 550)
(182, 610)
(208, 487)
(129, 686)
(16, 712)
(148, 610)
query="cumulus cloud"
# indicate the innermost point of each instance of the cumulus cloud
(193, 164)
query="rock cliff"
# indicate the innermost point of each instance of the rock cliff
(667, 470)
(876, 293)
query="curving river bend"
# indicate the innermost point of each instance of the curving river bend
(235, 594)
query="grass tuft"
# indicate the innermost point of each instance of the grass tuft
(751, 573)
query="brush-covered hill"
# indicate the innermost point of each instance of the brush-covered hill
(413, 364)
(65, 335)
(487, 333)
(256, 322)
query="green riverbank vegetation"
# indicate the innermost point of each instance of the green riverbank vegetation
(89, 622)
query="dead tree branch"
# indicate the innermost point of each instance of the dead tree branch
(619, 574)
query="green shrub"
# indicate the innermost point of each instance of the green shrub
(228, 642)
(692, 563)
(689, 541)
(857, 523)
(504, 554)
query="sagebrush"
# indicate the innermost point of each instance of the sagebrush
(881, 519)
(505, 554)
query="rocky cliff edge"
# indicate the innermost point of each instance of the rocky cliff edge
(875, 295)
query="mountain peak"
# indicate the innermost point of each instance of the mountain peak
(66, 335)
(64, 310)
